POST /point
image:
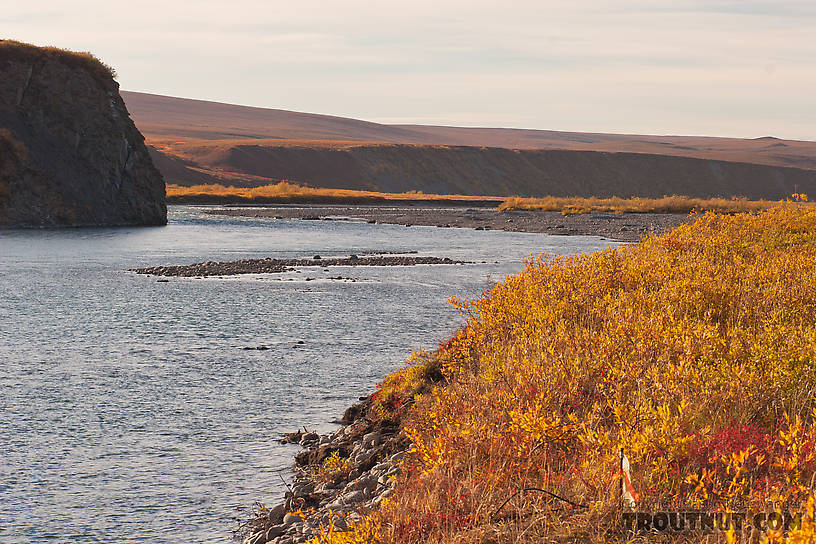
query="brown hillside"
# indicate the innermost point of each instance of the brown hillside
(468, 170)
(162, 117)
(199, 142)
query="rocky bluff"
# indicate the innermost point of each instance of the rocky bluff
(70, 154)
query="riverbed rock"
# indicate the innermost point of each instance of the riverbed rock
(269, 265)
(376, 449)
(256, 538)
(370, 440)
(276, 513)
(303, 487)
(275, 532)
(352, 413)
(291, 438)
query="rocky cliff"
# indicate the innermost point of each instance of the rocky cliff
(70, 154)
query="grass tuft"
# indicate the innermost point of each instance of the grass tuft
(79, 59)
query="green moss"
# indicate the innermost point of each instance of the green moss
(14, 50)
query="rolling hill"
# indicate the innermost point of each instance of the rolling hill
(195, 142)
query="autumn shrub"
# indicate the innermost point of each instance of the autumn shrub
(288, 190)
(398, 390)
(694, 352)
(666, 204)
(332, 470)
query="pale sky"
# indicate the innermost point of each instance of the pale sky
(742, 68)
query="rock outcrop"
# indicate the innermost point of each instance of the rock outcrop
(70, 154)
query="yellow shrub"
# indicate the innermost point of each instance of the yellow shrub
(333, 469)
(694, 352)
(667, 204)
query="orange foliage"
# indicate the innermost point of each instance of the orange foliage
(287, 190)
(667, 204)
(694, 351)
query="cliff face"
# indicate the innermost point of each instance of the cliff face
(69, 153)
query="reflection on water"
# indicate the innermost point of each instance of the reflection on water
(130, 411)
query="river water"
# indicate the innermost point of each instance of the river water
(129, 410)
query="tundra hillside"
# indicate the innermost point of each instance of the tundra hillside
(693, 351)
(194, 142)
(69, 152)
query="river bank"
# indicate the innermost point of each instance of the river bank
(342, 476)
(129, 395)
(626, 227)
(585, 387)
(339, 477)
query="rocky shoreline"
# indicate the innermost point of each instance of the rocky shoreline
(338, 478)
(365, 454)
(269, 265)
(625, 227)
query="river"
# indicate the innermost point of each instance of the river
(131, 412)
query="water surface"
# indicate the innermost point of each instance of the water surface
(131, 413)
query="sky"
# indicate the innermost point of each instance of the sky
(743, 68)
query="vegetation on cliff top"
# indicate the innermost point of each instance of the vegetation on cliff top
(80, 59)
(693, 351)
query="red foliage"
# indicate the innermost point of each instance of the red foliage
(733, 438)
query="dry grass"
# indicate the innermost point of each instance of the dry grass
(79, 59)
(290, 191)
(287, 191)
(694, 352)
(667, 204)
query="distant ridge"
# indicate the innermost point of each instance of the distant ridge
(197, 141)
(161, 116)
